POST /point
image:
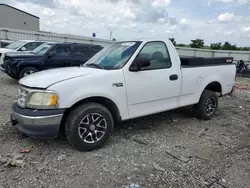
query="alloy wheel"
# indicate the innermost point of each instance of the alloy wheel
(92, 128)
(28, 72)
(210, 106)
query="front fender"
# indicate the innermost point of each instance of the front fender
(77, 89)
(23, 64)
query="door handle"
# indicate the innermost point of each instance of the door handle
(173, 77)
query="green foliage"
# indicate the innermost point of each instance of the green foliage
(182, 45)
(216, 46)
(244, 48)
(228, 46)
(197, 43)
(173, 41)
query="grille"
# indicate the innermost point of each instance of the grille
(5, 62)
(22, 97)
(3, 66)
(6, 58)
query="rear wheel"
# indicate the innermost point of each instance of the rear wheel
(89, 126)
(207, 105)
(27, 71)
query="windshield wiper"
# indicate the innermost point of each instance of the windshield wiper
(94, 65)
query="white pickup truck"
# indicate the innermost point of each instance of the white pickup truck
(123, 81)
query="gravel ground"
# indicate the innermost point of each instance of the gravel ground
(171, 149)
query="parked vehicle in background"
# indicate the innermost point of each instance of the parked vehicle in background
(242, 67)
(123, 81)
(20, 46)
(47, 56)
(4, 43)
(33, 51)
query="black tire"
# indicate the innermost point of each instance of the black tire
(77, 115)
(201, 110)
(25, 70)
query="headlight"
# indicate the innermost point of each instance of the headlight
(43, 99)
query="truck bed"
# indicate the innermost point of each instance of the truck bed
(188, 61)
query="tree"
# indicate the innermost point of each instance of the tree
(216, 46)
(113, 39)
(228, 46)
(173, 41)
(198, 43)
(181, 45)
(244, 49)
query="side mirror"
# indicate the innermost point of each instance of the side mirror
(23, 49)
(139, 63)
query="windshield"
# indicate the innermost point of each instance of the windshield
(15, 45)
(113, 56)
(42, 49)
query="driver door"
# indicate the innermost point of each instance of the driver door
(153, 89)
(61, 57)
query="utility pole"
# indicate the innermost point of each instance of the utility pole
(110, 36)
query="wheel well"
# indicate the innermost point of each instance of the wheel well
(23, 67)
(214, 86)
(109, 104)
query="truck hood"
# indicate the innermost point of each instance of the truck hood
(5, 50)
(14, 53)
(23, 55)
(45, 79)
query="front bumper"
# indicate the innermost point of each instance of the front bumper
(41, 124)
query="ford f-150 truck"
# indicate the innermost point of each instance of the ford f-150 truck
(125, 80)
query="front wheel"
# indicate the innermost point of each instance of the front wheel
(89, 126)
(27, 71)
(207, 105)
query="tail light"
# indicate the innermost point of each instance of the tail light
(229, 60)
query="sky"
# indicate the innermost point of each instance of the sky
(211, 20)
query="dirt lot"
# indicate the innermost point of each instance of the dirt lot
(171, 149)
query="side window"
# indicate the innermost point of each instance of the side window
(95, 50)
(81, 51)
(32, 45)
(62, 50)
(158, 55)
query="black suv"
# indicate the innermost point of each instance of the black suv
(47, 56)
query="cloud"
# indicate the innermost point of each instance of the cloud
(241, 2)
(184, 21)
(172, 21)
(127, 13)
(160, 3)
(46, 3)
(244, 32)
(226, 17)
(130, 19)
(169, 32)
(246, 29)
(161, 20)
(142, 10)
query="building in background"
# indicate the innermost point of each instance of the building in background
(13, 18)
